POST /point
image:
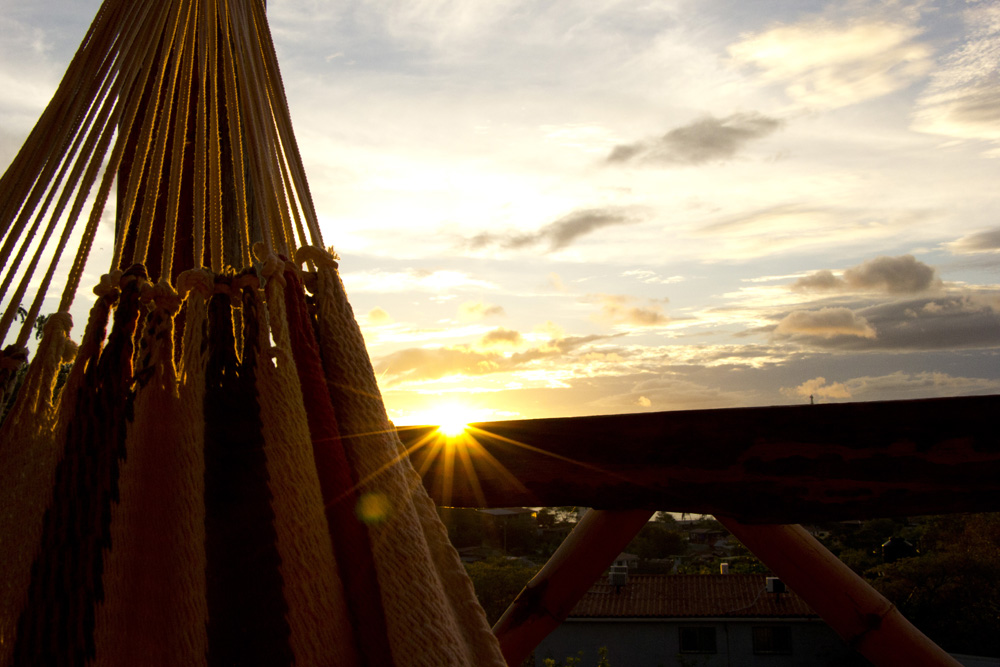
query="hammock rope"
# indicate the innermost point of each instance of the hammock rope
(216, 482)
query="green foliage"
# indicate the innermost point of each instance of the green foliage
(575, 661)
(570, 661)
(546, 518)
(497, 581)
(40, 326)
(656, 540)
(466, 527)
(951, 590)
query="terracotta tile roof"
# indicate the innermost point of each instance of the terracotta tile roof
(689, 596)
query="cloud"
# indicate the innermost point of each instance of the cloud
(828, 63)
(557, 234)
(895, 275)
(377, 316)
(652, 277)
(902, 385)
(618, 309)
(818, 388)
(477, 310)
(783, 228)
(708, 139)
(393, 282)
(421, 364)
(985, 241)
(949, 322)
(501, 336)
(664, 392)
(963, 97)
(897, 385)
(825, 323)
(820, 280)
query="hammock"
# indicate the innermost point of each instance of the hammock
(216, 480)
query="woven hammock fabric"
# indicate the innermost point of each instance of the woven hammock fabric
(215, 480)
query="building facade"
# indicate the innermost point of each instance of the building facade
(732, 620)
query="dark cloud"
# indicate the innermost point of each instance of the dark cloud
(985, 241)
(939, 323)
(902, 274)
(708, 139)
(896, 275)
(557, 234)
(821, 280)
(501, 336)
(825, 323)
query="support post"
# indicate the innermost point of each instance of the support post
(551, 594)
(867, 621)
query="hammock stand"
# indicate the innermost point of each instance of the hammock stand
(224, 499)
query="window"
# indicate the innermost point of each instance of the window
(772, 640)
(698, 640)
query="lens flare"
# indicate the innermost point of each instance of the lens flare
(452, 428)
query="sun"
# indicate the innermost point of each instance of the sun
(453, 427)
(452, 418)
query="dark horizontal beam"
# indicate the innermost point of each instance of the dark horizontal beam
(789, 464)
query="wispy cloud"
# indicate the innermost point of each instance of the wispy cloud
(622, 309)
(652, 277)
(708, 139)
(826, 63)
(985, 241)
(420, 364)
(896, 275)
(557, 234)
(477, 310)
(792, 227)
(413, 279)
(963, 98)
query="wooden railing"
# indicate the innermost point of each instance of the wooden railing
(754, 468)
(789, 464)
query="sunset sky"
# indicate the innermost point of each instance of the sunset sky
(575, 207)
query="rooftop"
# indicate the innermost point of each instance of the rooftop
(690, 596)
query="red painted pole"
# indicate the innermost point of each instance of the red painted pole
(549, 597)
(867, 621)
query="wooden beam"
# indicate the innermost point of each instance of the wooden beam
(789, 464)
(551, 594)
(869, 623)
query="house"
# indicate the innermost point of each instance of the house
(627, 560)
(717, 620)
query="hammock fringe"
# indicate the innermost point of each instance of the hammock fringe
(144, 581)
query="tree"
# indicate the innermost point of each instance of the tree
(655, 540)
(497, 581)
(666, 518)
(951, 590)
(466, 527)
